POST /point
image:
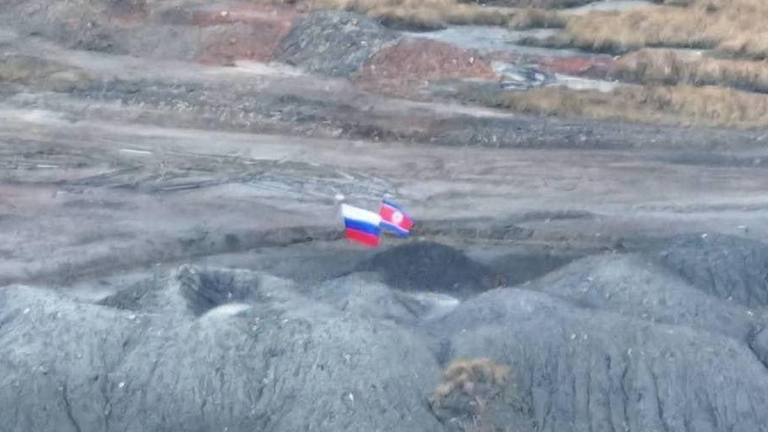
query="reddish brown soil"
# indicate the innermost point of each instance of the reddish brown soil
(582, 66)
(126, 13)
(579, 66)
(249, 32)
(404, 68)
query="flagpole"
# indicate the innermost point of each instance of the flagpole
(338, 200)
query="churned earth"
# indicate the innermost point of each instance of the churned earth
(171, 254)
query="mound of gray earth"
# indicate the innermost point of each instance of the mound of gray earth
(367, 296)
(270, 361)
(430, 267)
(632, 286)
(82, 25)
(605, 343)
(577, 369)
(728, 267)
(71, 22)
(759, 345)
(332, 43)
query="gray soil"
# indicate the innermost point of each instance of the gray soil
(171, 255)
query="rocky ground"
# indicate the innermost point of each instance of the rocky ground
(171, 255)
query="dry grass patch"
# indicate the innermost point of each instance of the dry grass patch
(663, 66)
(621, 32)
(540, 4)
(417, 13)
(471, 389)
(536, 18)
(464, 375)
(750, 45)
(678, 105)
(737, 26)
(432, 14)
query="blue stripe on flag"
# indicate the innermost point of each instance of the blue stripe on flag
(361, 226)
(393, 205)
(394, 228)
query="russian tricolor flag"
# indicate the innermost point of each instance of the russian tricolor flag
(395, 219)
(362, 226)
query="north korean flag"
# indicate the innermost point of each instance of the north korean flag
(395, 219)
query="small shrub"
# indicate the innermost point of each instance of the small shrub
(478, 379)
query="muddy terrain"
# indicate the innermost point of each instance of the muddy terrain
(172, 258)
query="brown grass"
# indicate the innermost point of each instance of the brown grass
(536, 18)
(469, 386)
(750, 45)
(540, 4)
(733, 26)
(737, 27)
(417, 13)
(663, 66)
(463, 375)
(677, 105)
(430, 14)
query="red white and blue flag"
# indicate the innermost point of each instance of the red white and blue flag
(361, 226)
(395, 219)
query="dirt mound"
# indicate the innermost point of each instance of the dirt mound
(576, 369)
(204, 290)
(225, 44)
(332, 43)
(415, 63)
(759, 345)
(140, 296)
(634, 287)
(431, 267)
(620, 353)
(367, 296)
(127, 10)
(205, 33)
(592, 66)
(266, 365)
(728, 267)
(243, 31)
(73, 24)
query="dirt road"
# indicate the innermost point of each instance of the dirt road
(116, 163)
(90, 198)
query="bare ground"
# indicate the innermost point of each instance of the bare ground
(85, 197)
(131, 164)
(133, 181)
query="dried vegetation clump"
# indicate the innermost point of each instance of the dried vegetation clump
(423, 14)
(472, 378)
(434, 14)
(683, 105)
(676, 86)
(665, 66)
(472, 394)
(737, 27)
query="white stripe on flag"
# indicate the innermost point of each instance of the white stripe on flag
(359, 214)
